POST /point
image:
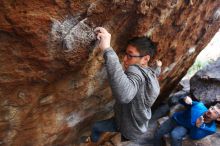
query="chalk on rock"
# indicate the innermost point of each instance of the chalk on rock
(80, 35)
(73, 34)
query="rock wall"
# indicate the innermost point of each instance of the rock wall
(52, 80)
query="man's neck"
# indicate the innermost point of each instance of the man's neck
(145, 65)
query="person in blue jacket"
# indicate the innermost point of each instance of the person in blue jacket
(196, 120)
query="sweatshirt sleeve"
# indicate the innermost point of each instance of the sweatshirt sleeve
(157, 70)
(124, 85)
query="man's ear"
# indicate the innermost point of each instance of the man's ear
(147, 58)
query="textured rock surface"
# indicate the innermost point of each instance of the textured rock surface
(52, 81)
(205, 84)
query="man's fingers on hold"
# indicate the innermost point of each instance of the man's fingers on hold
(101, 30)
(96, 29)
(99, 36)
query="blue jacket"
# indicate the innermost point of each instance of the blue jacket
(188, 117)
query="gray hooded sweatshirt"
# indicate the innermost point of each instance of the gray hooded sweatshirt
(135, 91)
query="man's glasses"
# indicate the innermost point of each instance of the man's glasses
(216, 112)
(131, 56)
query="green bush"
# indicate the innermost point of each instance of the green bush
(197, 66)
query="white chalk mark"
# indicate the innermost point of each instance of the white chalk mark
(73, 119)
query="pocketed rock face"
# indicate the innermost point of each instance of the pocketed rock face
(52, 79)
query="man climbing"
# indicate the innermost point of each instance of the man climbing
(135, 89)
(196, 120)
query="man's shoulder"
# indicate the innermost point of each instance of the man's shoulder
(199, 105)
(135, 70)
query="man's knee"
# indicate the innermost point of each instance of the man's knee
(178, 132)
(175, 134)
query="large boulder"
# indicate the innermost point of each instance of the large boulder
(205, 84)
(52, 78)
